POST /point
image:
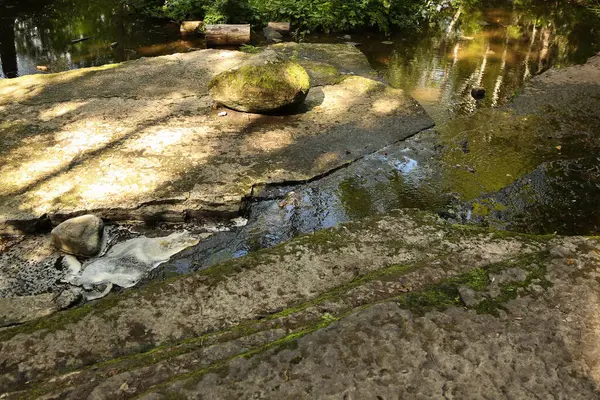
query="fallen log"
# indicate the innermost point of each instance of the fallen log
(282, 28)
(227, 35)
(190, 27)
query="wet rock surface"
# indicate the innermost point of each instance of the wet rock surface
(126, 263)
(160, 151)
(403, 175)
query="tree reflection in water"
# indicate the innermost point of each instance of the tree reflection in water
(498, 49)
(40, 33)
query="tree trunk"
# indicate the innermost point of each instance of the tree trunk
(227, 35)
(8, 51)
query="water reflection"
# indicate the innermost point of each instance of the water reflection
(497, 49)
(42, 34)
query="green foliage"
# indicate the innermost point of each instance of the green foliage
(347, 15)
(211, 11)
(305, 15)
(248, 48)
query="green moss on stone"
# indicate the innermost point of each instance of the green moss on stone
(322, 73)
(261, 88)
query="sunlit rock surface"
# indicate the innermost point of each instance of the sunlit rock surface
(80, 236)
(140, 139)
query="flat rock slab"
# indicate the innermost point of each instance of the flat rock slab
(17, 310)
(141, 140)
(305, 314)
(571, 90)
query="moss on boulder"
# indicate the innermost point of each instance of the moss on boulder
(261, 88)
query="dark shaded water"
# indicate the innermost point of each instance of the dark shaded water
(40, 33)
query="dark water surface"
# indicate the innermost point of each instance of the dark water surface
(40, 33)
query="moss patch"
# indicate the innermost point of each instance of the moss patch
(445, 294)
(322, 73)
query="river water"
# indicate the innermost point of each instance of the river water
(496, 48)
(467, 169)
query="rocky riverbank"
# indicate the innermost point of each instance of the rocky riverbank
(403, 304)
(401, 298)
(142, 140)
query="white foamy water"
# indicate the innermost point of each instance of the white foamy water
(125, 264)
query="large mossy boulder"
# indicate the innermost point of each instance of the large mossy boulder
(270, 87)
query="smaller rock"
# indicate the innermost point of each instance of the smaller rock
(510, 275)
(114, 45)
(80, 236)
(347, 37)
(469, 296)
(222, 114)
(272, 35)
(68, 298)
(239, 222)
(478, 93)
(387, 42)
(42, 68)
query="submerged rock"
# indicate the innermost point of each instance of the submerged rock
(272, 35)
(80, 236)
(478, 93)
(261, 88)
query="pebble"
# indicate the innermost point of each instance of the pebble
(222, 114)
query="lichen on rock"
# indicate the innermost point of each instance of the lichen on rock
(261, 88)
